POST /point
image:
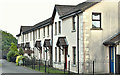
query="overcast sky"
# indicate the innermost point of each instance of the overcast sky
(14, 13)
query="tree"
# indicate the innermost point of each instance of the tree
(6, 39)
(13, 47)
(13, 52)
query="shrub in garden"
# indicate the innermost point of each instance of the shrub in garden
(9, 55)
(12, 53)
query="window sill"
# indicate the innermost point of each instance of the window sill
(73, 31)
(73, 65)
(96, 29)
(59, 33)
(55, 34)
(48, 36)
(57, 62)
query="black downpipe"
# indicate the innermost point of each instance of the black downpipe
(52, 45)
(78, 41)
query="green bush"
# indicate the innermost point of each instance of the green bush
(13, 52)
(16, 54)
(10, 54)
(13, 47)
(21, 51)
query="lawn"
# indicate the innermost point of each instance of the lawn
(48, 69)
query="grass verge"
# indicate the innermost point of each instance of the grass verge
(48, 69)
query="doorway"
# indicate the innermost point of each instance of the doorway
(112, 58)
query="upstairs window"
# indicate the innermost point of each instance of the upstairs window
(59, 22)
(96, 20)
(74, 23)
(39, 33)
(55, 28)
(27, 36)
(48, 30)
(43, 31)
(31, 36)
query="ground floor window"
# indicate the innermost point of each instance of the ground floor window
(44, 53)
(74, 55)
(59, 55)
(55, 54)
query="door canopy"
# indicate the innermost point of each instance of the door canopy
(38, 44)
(47, 43)
(27, 45)
(22, 45)
(62, 42)
(114, 40)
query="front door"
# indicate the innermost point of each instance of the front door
(111, 59)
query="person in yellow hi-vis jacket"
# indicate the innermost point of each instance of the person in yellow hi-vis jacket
(19, 60)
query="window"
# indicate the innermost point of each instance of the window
(44, 53)
(96, 20)
(48, 29)
(74, 55)
(44, 31)
(28, 37)
(74, 23)
(36, 34)
(25, 37)
(59, 55)
(39, 33)
(55, 28)
(22, 38)
(55, 54)
(59, 26)
(31, 36)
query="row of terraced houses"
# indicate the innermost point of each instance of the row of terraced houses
(89, 31)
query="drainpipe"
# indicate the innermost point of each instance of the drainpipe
(52, 43)
(78, 41)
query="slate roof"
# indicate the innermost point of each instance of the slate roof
(114, 40)
(81, 7)
(23, 29)
(39, 25)
(62, 9)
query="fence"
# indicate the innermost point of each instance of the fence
(60, 67)
(43, 66)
